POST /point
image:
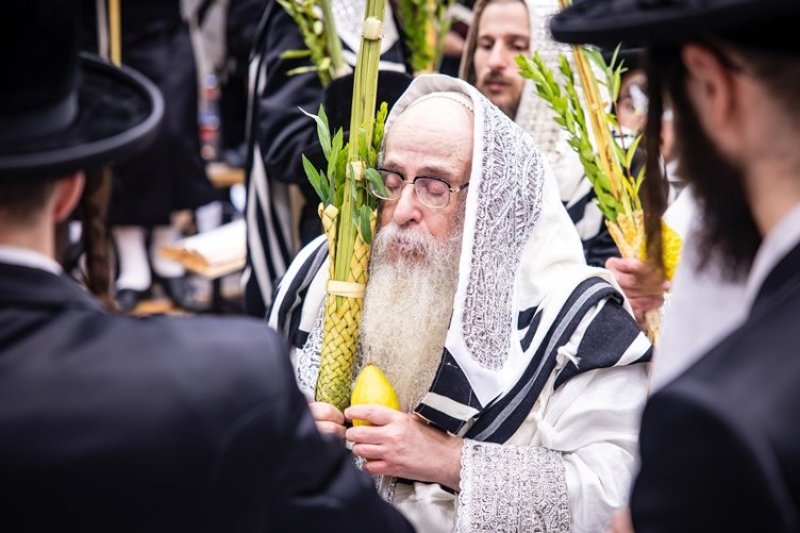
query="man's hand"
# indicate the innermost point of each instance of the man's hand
(644, 285)
(401, 445)
(328, 418)
(621, 522)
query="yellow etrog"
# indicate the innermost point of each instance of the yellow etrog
(373, 387)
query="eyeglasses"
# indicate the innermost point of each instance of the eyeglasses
(431, 192)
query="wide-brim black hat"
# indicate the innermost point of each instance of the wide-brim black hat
(648, 22)
(112, 112)
(630, 58)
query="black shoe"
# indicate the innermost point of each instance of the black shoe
(128, 299)
(182, 293)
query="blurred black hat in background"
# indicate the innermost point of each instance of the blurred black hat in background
(768, 25)
(61, 111)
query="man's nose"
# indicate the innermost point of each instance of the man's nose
(408, 208)
(497, 57)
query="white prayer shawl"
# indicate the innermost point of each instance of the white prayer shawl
(540, 351)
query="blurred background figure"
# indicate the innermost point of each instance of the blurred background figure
(170, 176)
(500, 30)
(241, 27)
(279, 133)
(460, 17)
(631, 105)
(645, 286)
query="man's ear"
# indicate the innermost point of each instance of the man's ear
(67, 195)
(711, 87)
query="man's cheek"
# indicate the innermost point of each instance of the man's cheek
(384, 215)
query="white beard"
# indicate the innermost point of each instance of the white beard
(407, 307)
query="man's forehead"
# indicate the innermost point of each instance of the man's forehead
(430, 161)
(445, 115)
(432, 167)
(511, 16)
(443, 98)
(431, 136)
(495, 3)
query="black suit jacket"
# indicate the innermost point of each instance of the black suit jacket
(110, 423)
(720, 445)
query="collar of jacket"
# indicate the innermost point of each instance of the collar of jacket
(22, 286)
(780, 282)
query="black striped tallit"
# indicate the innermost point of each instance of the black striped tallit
(610, 334)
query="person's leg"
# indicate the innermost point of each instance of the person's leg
(162, 267)
(133, 280)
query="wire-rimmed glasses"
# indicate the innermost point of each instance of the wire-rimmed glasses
(431, 192)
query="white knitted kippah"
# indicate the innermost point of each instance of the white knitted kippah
(457, 97)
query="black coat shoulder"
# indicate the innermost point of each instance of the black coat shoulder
(720, 447)
(110, 423)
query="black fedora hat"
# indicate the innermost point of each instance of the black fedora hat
(671, 21)
(629, 57)
(61, 111)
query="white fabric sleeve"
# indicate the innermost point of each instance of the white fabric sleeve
(567, 468)
(512, 488)
(593, 420)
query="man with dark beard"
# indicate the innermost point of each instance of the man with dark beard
(515, 363)
(719, 444)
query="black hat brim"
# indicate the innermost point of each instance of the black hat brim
(118, 113)
(630, 58)
(607, 22)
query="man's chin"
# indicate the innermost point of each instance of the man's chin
(498, 95)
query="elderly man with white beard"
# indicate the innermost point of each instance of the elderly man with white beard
(519, 368)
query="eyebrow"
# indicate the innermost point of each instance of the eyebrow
(505, 36)
(426, 171)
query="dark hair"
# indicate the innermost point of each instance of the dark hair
(781, 76)
(728, 228)
(21, 200)
(654, 188)
(92, 211)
